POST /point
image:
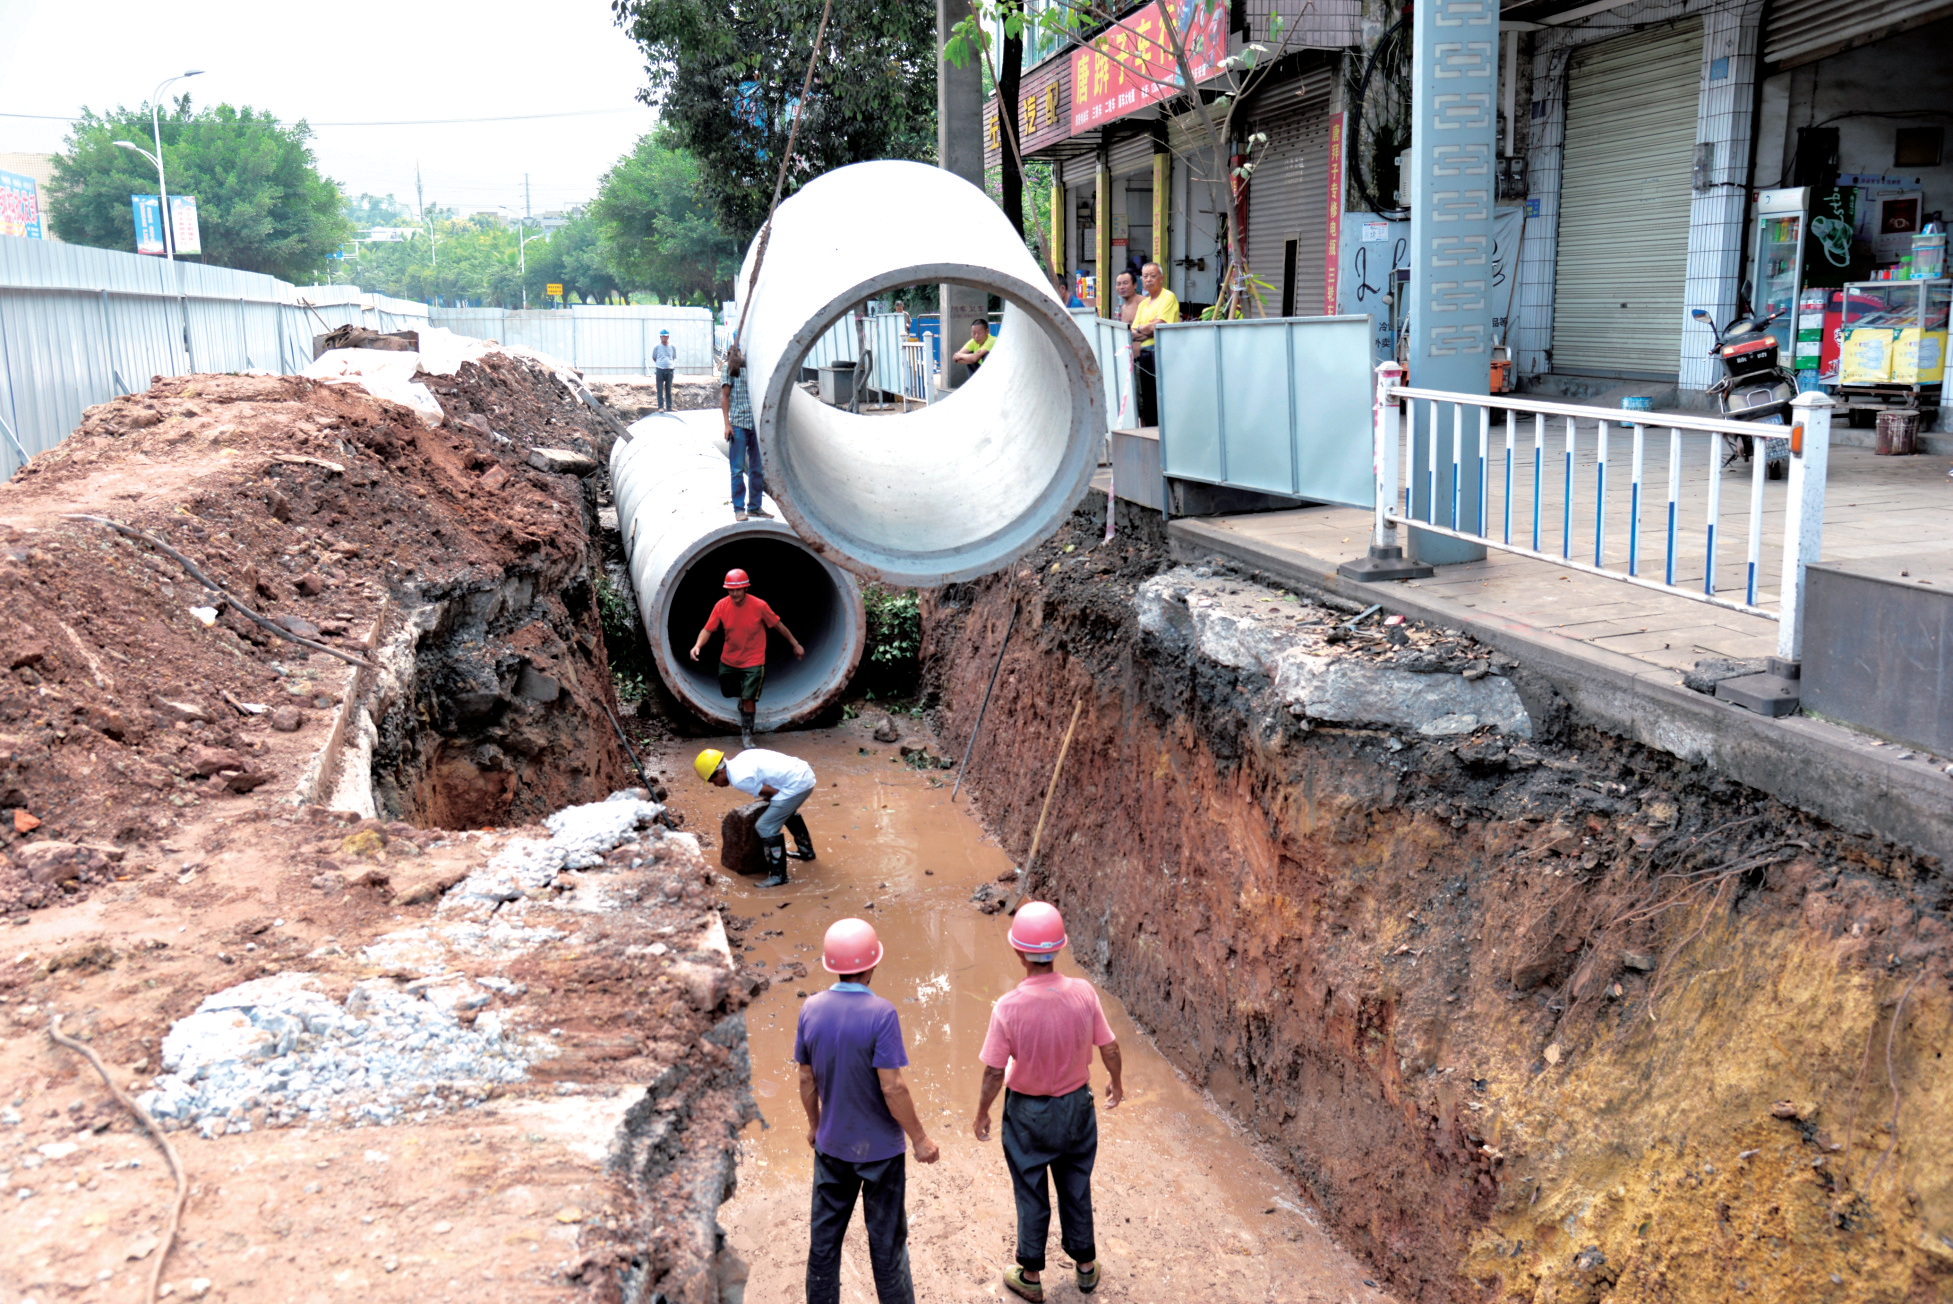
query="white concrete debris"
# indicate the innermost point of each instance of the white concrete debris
(278, 1050)
(1325, 682)
(281, 1050)
(579, 837)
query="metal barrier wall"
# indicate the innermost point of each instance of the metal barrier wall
(1112, 345)
(1544, 489)
(1280, 405)
(596, 339)
(80, 326)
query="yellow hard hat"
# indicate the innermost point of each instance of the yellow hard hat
(708, 763)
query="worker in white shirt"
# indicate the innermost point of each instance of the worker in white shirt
(664, 360)
(784, 782)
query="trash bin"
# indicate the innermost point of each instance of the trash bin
(837, 384)
(1898, 431)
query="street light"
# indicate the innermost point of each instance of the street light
(522, 251)
(156, 131)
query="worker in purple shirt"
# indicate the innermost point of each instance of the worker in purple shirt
(849, 1048)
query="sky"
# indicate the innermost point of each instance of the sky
(403, 61)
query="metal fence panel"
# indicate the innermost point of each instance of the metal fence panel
(1278, 405)
(597, 339)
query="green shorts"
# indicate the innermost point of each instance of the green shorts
(742, 682)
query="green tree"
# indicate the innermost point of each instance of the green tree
(261, 204)
(657, 233)
(574, 257)
(369, 211)
(726, 78)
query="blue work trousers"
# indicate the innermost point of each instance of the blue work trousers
(883, 1188)
(747, 482)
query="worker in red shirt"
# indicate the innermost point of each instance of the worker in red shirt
(1039, 1048)
(742, 660)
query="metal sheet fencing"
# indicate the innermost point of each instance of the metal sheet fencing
(1112, 343)
(596, 339)
(1281, 405)
(79, 326)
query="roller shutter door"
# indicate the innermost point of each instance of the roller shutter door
(1801, 31)
(1133, 154)
(1288, 196)
(1624, 204)
(1080, 171)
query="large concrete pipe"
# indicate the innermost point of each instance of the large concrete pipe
(670, 481)
(953, 490)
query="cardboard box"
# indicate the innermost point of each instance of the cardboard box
(1865, 354)
(1919, 357)
(1882, 355)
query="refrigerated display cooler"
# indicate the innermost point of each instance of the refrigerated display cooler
(1779, 267)
(1892, 347)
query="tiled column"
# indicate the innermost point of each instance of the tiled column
(1724, 123)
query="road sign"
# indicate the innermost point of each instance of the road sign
(554, 290)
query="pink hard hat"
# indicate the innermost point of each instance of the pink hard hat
(850, 947)
(1038, 929)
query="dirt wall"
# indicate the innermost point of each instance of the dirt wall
(1545, 1019)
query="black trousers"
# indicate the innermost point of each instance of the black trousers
(1146, 386)
(664, 390)
(1059, 1134)
(883, 1187)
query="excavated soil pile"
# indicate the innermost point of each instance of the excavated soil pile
(1532, 1013)
(402, 1054)
(131, 694)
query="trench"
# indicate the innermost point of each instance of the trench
(1184, 1200)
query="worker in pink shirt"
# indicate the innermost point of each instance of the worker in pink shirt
(1042, 1031)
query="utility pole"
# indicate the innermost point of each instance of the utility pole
(522, 247)
(959, 149)
(420, 198)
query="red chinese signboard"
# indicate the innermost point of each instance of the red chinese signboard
(1131, 66)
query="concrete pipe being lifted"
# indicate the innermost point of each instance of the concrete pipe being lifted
(670, 482)
(968, 484)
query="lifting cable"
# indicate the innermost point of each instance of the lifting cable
(735, 355)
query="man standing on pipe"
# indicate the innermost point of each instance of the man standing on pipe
(783, 782)
(849, 1048)
(736, 406)
(742, 659)
(1043, 1031)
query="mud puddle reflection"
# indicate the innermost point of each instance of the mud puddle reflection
(1182, 1203)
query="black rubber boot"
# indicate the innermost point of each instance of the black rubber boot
(803, 841)
(776, 860)
(745, 730)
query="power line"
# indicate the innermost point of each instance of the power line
(413, 122)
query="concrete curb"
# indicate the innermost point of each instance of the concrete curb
(1829, 771)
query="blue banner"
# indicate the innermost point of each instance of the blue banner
(149, 224)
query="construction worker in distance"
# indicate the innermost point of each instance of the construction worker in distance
(1043, 1031)
(849, 1049)
(782, 782)
(742, 658)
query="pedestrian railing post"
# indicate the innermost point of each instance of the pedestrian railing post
(1803, 527)
(1385, 560)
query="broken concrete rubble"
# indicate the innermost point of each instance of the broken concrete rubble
(1235, 625)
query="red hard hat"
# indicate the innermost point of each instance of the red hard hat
(736, 579)
(1038, 929)
(850, 947)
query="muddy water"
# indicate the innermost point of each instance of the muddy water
(1184, 1204)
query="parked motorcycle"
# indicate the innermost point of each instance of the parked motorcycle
(1753, 387)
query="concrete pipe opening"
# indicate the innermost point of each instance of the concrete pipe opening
(958, 488)
(670, 482)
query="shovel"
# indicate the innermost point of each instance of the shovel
(1024, 875)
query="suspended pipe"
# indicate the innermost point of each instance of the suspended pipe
(670, 481)
(961, 487)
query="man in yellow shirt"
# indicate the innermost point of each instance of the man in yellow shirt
(977, 351)
(1157, 307)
